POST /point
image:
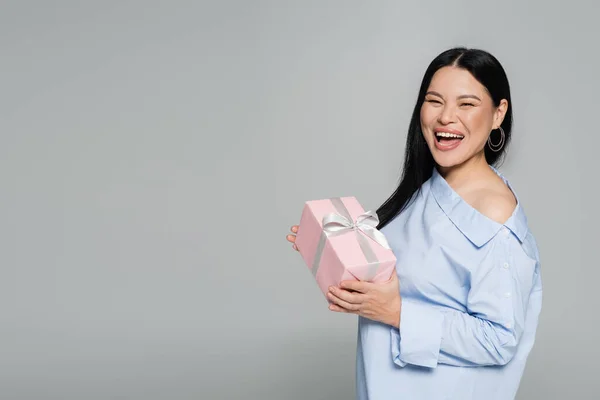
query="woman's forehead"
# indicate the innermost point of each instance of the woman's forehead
(453, 81)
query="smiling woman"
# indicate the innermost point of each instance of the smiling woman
(458, 319)
(457, 112)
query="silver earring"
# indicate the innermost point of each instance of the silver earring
(497, 147)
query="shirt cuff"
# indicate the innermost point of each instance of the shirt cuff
(420, 335)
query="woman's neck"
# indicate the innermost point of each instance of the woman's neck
(472, 170)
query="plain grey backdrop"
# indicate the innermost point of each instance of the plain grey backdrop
(155, 154)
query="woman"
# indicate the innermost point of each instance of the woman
(458, 319)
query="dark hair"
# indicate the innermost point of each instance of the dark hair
(418, 161)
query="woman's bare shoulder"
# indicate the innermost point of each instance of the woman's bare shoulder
(495, 201)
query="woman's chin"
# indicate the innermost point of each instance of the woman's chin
(449, 160)
(446, 160)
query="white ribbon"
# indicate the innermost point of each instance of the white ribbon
(334, 223)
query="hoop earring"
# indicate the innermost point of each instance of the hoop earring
(497, 147)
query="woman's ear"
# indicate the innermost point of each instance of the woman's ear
(499, 113)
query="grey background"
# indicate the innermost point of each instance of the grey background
(155, 154)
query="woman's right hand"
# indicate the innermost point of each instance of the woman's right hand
(292, 238)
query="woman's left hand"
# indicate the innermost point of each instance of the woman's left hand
(376, 301)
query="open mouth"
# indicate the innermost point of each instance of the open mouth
(445, 137)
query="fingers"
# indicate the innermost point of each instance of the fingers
(357, 286)
(292, 238)
(341, 303)
(335, 308)
(344, 299)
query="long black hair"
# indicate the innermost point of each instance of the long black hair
(418, 161)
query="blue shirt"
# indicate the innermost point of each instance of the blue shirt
(471, 297)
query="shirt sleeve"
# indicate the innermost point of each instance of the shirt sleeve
(488, 332)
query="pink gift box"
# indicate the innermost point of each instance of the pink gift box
(338, 241)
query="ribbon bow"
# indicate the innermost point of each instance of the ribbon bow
(334, 223)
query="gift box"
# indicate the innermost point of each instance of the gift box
(339, 241)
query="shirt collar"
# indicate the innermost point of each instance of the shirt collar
(478, 228)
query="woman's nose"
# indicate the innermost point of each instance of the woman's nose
(447, 115)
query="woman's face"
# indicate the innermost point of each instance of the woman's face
(457, 116)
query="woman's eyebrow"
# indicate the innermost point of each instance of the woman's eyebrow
(468, 96)
(434, 93)
(464, 96)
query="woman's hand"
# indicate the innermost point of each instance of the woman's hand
(292, 238)
(376, 301)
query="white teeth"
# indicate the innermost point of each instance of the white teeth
(448, 135)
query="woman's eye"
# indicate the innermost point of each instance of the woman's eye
(433, 101)
(468, 104)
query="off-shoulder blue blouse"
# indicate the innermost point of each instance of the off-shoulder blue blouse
(471, 297)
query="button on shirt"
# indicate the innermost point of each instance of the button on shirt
(471, 297)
